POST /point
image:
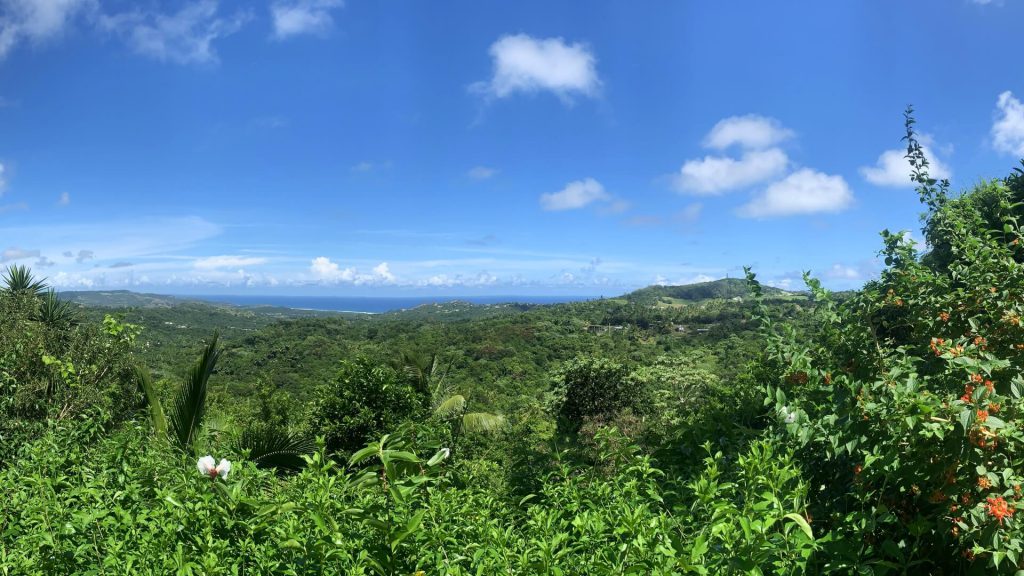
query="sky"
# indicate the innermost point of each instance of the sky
(365, 148)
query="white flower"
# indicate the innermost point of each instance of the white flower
(446, 452)
(208, 468)
(788, 416)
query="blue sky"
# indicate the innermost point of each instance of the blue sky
(388, 148)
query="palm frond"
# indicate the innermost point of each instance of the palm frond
(480, 422)
(20, 279)
(450, 407)
(189, 405)
(156, 409)
(273, 447)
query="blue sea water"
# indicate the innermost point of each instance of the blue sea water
(376, 305)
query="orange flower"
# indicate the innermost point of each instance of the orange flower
(982, 415)
(944, 316)
(998, 508)
(984, 483)
(968, 392)
(976, 378)
(858, 469)
(993, 407)
(992, 289)
(990, 386)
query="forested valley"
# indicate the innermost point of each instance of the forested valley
(718, 428)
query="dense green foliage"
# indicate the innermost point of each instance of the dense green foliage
(672, 431)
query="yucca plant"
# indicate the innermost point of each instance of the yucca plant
(55, 312)
(19, 279)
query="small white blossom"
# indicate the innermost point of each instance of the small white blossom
(446, 452)
(788, 416)
(207, 467)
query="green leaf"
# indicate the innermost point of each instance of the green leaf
(802, 523)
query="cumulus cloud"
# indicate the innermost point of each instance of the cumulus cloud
(328, 272)
(383, 272)
(840, 271)
(297, 17)
(481, 172)
(184, 37)
(750, 131)
(36, 21)
(216, 262)
(15, 253)
(805, 191)
(577, 194)
(522, 63)
(893, 169)
(713, 175)
(1008, 128)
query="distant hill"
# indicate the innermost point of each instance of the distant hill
(121, 299)
(725, 288)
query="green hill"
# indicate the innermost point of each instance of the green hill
(724, 289)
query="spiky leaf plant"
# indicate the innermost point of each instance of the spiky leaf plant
(19, 279)
(189, 407)
(156, 410)
(55, 312)
(274, 447)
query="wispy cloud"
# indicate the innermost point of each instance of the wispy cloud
(297, 17)
(522, 63)
(481, 172)
(575, 195)
(183, 37)
(215, 262)
(37, 21)
(64, 199)
(16, 253)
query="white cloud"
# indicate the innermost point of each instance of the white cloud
(215, 262)
(575, 195)
(750, 131)
(481, 172)
(36, 21)
(3, 182)
(893, 169)
(714, 175)
(15, 253)
(323, 269)
(64, 199)
(1008, 128)
(805, 191)
(326, 271)
(185, 37)
(296, 17)
(526, 64)
(383, 272)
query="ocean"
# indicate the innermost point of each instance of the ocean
(375, 305)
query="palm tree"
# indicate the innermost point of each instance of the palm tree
(19, 280)
(430, 375)
(266, 446)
